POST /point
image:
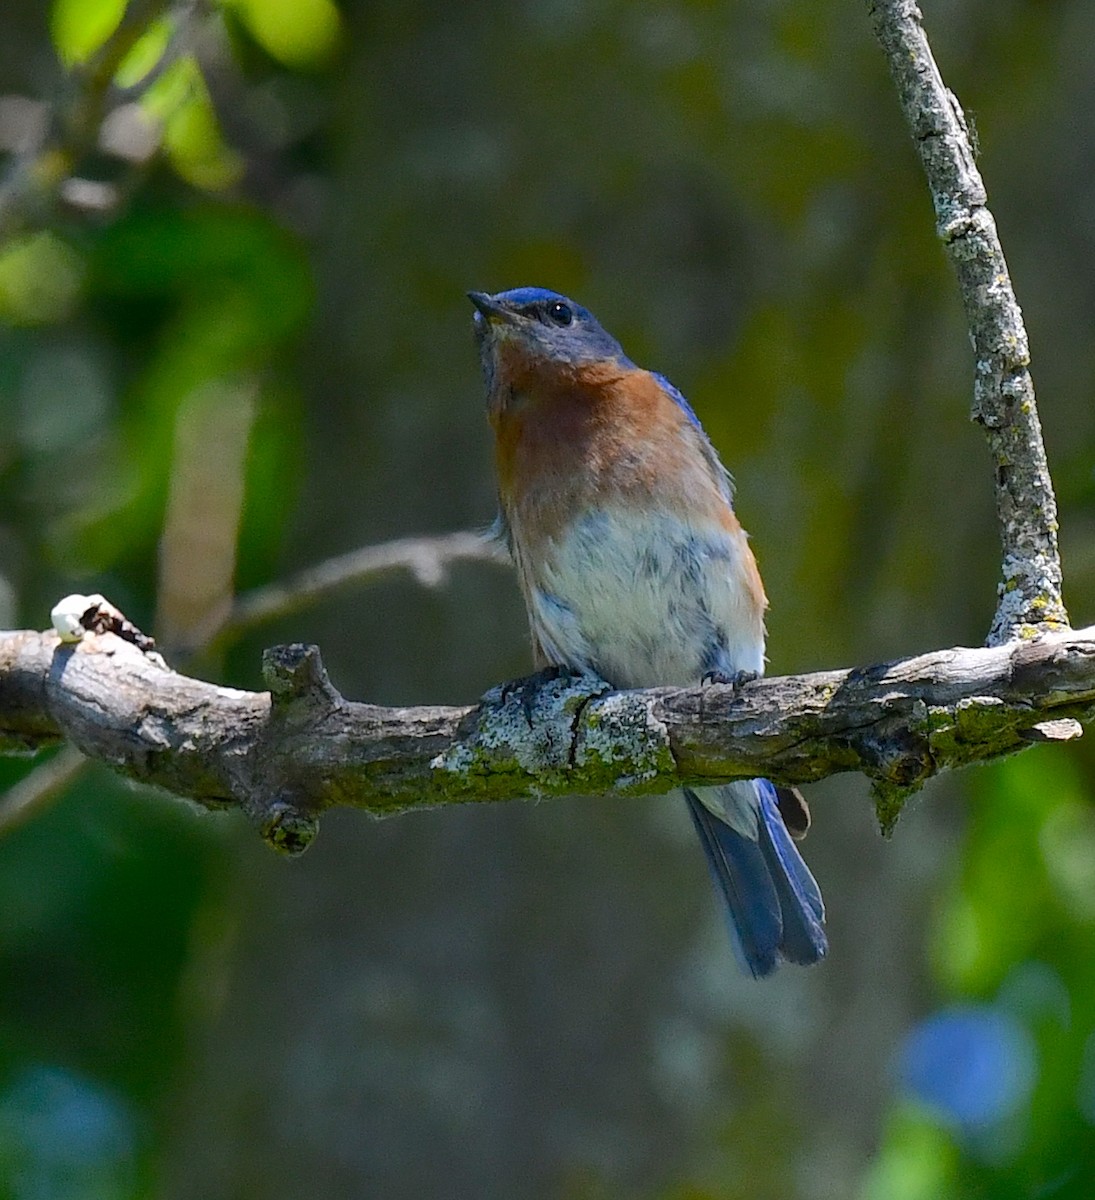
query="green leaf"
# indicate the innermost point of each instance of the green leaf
(192, 139)
(298, 33)
(180, 102)
(146, 53)
(80, 27)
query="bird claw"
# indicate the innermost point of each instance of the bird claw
(528, 688)
(737, 680)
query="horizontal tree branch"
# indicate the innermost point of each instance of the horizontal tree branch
(428, 559)
(288, 754)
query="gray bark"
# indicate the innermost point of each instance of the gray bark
(1029, 594)
(288, 754)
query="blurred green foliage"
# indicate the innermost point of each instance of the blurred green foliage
(298, 33)
(79, 28)
(1016, 934)
(239, 344)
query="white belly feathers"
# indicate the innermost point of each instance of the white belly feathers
(644, 599)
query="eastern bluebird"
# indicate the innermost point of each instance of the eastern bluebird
(619, 517)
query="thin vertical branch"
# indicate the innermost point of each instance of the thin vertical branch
(1003, 402)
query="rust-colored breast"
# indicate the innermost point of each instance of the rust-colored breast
(594, 436)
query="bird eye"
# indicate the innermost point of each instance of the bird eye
(560, 313)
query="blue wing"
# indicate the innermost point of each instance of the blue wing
(774, 904)
(721, 474)
(678, 398)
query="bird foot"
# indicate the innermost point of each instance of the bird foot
(526, 689)
(737, 680)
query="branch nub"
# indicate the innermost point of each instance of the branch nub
(285, 828)
(295, 674)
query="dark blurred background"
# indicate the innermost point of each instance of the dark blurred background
(234, 341)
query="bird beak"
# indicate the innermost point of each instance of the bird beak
(494, 312)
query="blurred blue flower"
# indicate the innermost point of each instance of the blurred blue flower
(62, 1136)
(973, 1064)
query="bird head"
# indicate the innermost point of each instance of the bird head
(532, 331)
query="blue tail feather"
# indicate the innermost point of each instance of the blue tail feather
(797, 872)
(775, 907)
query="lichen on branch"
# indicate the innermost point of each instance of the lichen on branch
(1029, 595)
(286, 755)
